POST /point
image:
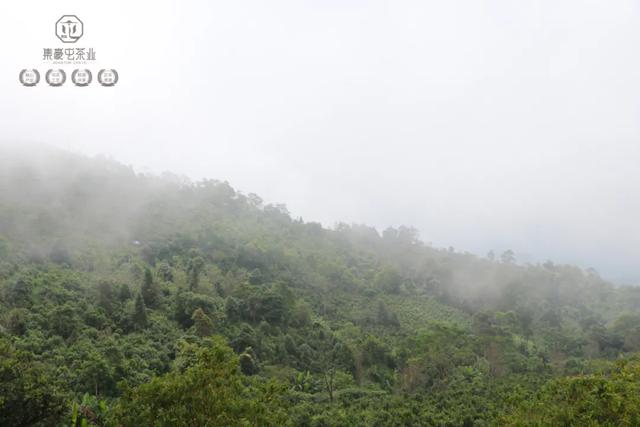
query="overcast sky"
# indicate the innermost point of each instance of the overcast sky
(485, 124)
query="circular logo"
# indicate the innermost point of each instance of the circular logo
(29, 78)
(108, 77)
(81, 77)
(69, 29)
(55, 77)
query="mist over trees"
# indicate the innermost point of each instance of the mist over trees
(128, 299)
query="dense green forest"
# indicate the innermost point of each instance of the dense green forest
(135, 300)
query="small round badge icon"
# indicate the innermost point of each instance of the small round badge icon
(29, 78)
(81, 77)
(55, 77)
(108, 77)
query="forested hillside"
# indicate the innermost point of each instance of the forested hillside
(134, 300)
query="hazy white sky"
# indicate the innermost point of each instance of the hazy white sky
(485, 124)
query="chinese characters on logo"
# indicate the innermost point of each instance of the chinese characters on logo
(69, 54)
(81, 77)
(55, 78)
(29, 78)
(108, 77)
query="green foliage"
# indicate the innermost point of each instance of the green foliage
(124, 293)
(139, 318)
(29, 393)
(89, 411)
(186, 303)
(604, 399)
(325, 327)
(202, 323)
(248, 362)
(16, 321)
(150, 290)
(210, 392)
(195, 266)
(434, 354)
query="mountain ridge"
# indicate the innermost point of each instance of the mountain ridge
(116, 284)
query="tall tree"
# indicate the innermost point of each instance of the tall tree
(202, 323)
(196, 264)
(140, 313)
(150, 290)
(124, 293)
(105, 294)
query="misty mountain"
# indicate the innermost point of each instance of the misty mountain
(118, 287)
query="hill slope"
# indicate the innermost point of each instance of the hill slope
(116, 283)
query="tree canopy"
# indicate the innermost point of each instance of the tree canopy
(128, 299)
